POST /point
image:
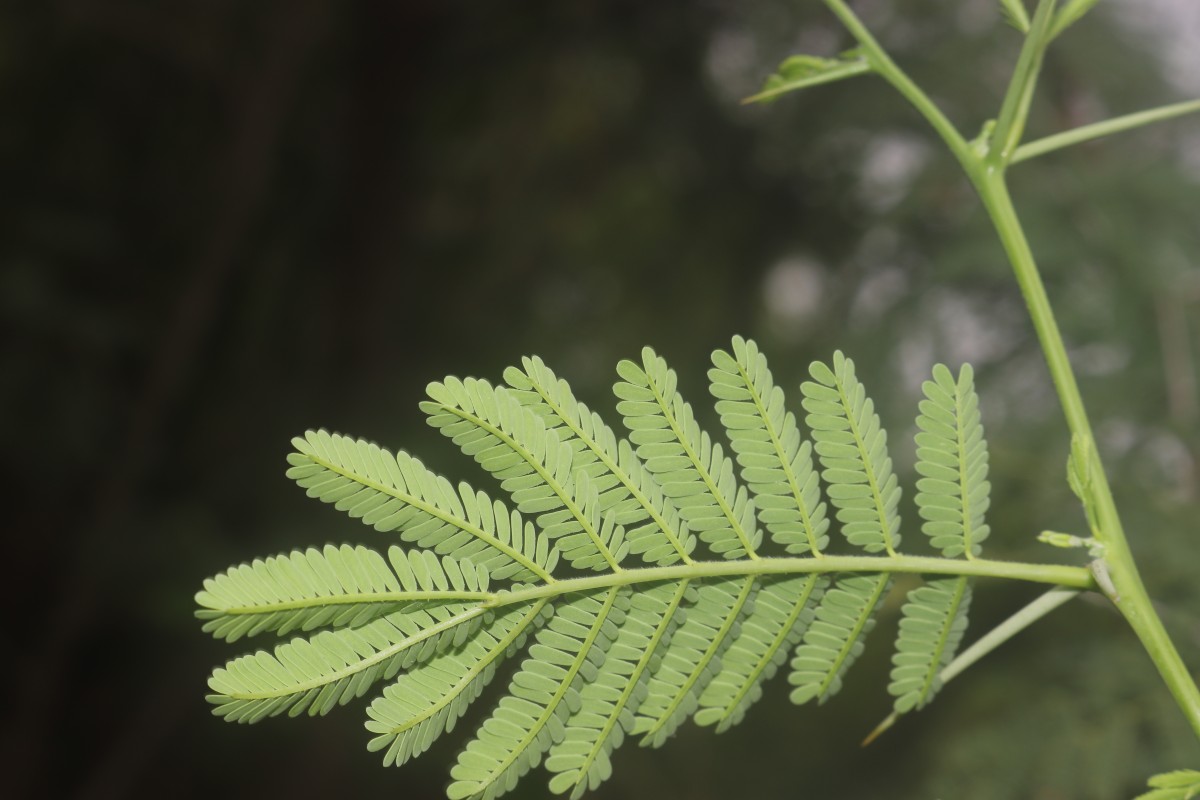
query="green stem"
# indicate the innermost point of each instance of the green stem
(997, 636)
(1014, 111)
(1060, 574)
(882, 63)
(1097, 130)
(1130, 597)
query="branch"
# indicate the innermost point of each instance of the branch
(997, 636)
(1058, 574)
(1011, 123)
(883, 64)
(1098, 130)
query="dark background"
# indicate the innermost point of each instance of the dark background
(223, 223)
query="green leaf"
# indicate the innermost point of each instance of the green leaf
(651, 521)
(1183, 784)
(334, 667)
(532, 464)
(952, 456)
(616, 651)
(783, 610)
(932, 625)
(852, 447)
(545, 690)
(582, 760)
(835, 639)
(801, 72)
(427, 701)
(776, 462)
(397, 493)
(342, 587)
(691, 469)
(693, 657)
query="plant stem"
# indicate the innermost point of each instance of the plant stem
(997, 636)
(1096, 130)
(1060, 574)
(1015, 110)
(882, 63)
(1130, 597)
(986, 172)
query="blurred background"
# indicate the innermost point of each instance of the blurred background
(224, 223)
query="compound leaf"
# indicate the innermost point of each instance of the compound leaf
(801, 72)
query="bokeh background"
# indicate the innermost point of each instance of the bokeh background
(223, 223)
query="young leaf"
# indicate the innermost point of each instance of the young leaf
(801, 72)
(1015, 14)
(1069, 14)
(1182, 784)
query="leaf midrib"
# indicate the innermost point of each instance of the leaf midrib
(363, 598)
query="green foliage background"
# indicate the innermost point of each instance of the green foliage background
(223, 224)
